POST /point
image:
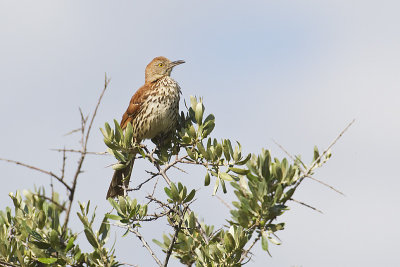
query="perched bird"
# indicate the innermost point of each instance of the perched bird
(153, 111)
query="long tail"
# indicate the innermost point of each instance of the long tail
(120, 180)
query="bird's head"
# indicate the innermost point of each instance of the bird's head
(160, 67)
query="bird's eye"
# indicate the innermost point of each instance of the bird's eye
(160, 64)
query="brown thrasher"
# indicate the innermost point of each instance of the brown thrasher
(153, 112)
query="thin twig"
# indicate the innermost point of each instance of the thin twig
(247, 251)
(171, 246)
(325, 184)
(143, 183)
(63, 165)
(309, 169)
(309, 176)
(84, 141)
(289, 155)
(332, 144)
(52, 201)
(37, 169)
(79, 151)
(223, 202)
(125, 263)
(179, 169)
(162, 172)
(306, 205)
(146, 245)
(141, 238)
(155, 163)
(155, 186)
(6, 264)
(73, 131)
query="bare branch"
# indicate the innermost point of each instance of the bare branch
(52, 201)
(125, 263)
(73, 131)
(223, 202)
(143, 183)
(171, 246)
(84, 141)
(309, 169)
(146, 245)
(325, 184)
(306, 205)
(247, 251)
(332, 144)
(6, 264)
(63, 165)
(79, 151)
(309, 176)
(179, 169)
(289, 155)
(39, 170)
(155, 163)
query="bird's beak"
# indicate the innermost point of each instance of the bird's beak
(176, 63)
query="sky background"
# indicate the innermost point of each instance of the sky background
(292, 71)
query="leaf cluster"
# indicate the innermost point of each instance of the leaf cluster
(33, 235)
(262, 186)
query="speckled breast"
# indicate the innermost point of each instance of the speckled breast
(160, 111)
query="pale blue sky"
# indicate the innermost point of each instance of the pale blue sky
(293, 71)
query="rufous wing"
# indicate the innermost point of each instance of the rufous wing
(135, 106)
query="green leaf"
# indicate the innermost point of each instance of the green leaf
(225, 176)
(113, 217)
(239, 171)
(192, 221)
(207, 179)
(264, 243)
(128, 135)
(192, 132)
(316, 154)
(223, 186)
(41, 219)
(202, 150)
(225, 147)
(288, 194)
(208, 128)
(191, 153)
(108, 128)
(70, 244)
(193, 102)
(118, 131)
(122, 204)
(109, 144)
(243, 218)
(160, 244)
(168, 192)
(244, 161)
(119, 156)
(190, 196)
(229, 241)
(210, 118)
(91, 238)
(216, 186)
(265, 164)
(41, 245)
(118, 166)
(105, 134)
(218, 150)
(199, 112)
(186, 139)
(47, 260)
(278, 193)
(114, 204)
(174, 192)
